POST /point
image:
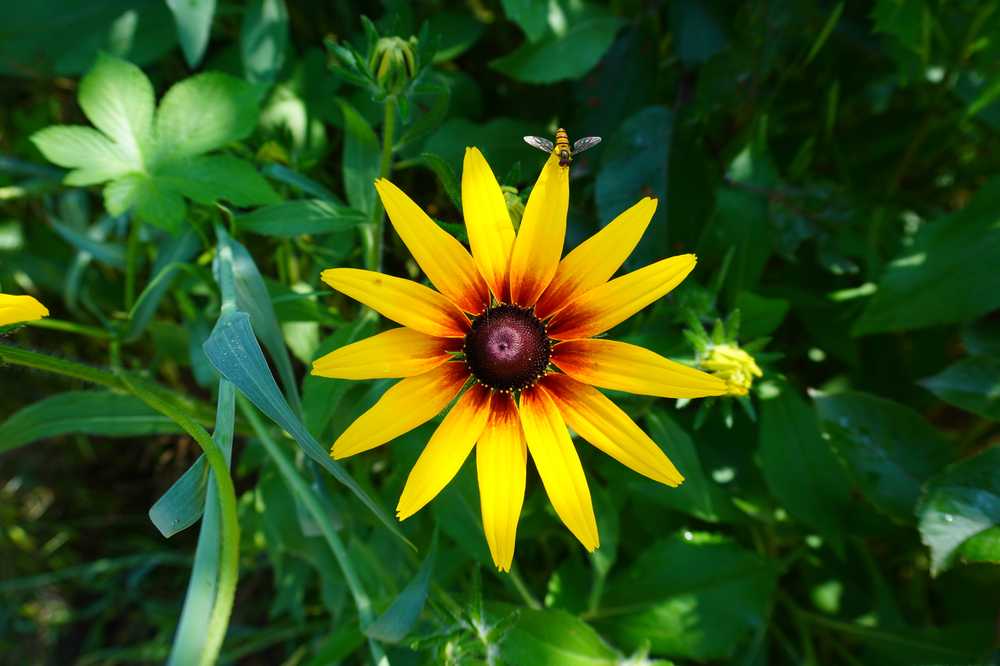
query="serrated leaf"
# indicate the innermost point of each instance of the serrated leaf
(958, 504)
(233, 351)
(890, 450)
(300, 218)
(360, 161)
(118, 99)
(99, 413)
(800, 467)
(972, 384)
(568, 55)
(264, 39)
(194, 25)
(210, 178)
(204, 113)
(93, 157)
(150, 200)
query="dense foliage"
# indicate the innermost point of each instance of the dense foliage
(174, 176)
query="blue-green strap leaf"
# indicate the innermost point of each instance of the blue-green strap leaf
(397, 621)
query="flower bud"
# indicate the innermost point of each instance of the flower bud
(393, 63)
(733, 365)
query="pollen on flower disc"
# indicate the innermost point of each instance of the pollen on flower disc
(507, 348)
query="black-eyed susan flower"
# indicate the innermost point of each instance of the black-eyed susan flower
(16, 309)
(510, 331)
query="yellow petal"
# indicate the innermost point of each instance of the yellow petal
(407, 404)
(539, 242)
(599, 421)
(594, 261)
(14, 309)
(623, 367)
(487, 221)
(399, 352)
(501, 459)
(600, 308)
(403, 301)
(558, 465)
(447, 264)
(447, 449)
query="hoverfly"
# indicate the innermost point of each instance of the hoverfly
(561, 146)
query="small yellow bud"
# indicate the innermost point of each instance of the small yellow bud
(734, 366)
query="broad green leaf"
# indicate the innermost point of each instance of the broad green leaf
(264, 39)
(800, 467)
(210, 178)
(697, 31)
(360, 161)
(194, 25)
(946, 275)
(531, 16)
(93, 157)
(699, 495)
(118, 98)
(397, 621)
(760, 316)
(555, 638)
(634, 165)
(98, 413)
(204, 113)
(889, 449)
(252, 297)
(191, 638)
(455, 31)
(972, 384)
(693, 596)
(234, 352)
(173, 254)
(958, 504)
(300, 218)
(148, 199)
(566, 55)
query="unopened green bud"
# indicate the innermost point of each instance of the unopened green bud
(393, 63)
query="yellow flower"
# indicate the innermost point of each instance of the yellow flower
(14, 309)
(734, 366)
(509, 332)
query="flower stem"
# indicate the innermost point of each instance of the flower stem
(374, 244)
(71, 327)
(523, 590)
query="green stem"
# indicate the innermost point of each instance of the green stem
(523, 590)
(312, 504)
(596, 591)
(71, 327)
(376, 230)
(131, 264)
(225, 593)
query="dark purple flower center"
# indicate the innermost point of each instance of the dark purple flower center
(507, 348)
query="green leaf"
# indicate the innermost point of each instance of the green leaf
(194, 25)
(760, 315)
(634, 165)
(360, 162)
(531, 16)
(397, 621)
(93, 157)
(210, 178)
(301, 218)
(567, 55)
(150, 200)
(118, 98)
(958, 504)
(890, 450)
(972, 384)
(555, 638)
(693, 596)
(456, 32)
(493, 138)
(233, 351)
(699, 495)
(184, 502)
(800, 467)
(204, 113)
(191, 639)
(698, 33)
(174, 253)
(445, 175)
(264, 39)
(112, 254)
(99, 413)
(932, 283)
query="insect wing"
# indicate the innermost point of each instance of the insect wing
(543, 145)
(586, 143)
